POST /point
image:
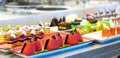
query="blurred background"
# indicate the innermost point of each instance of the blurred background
(71, 3)
(55, 2)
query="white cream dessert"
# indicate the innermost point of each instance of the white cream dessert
(71, 18)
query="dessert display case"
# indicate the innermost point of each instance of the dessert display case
(62, 31)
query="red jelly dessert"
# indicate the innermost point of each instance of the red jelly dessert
(118, 30)
(71, 39)
(59, 40)
(28, 47)
(105, 32)
(37, 44)
(17, 49)
(112, 31)
(51, 44)
(79, 36)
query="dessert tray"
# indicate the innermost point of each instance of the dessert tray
(46, 53)
(97, 36)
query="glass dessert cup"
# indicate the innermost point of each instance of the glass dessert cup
(105, 32)
(112, 31)
(118, 30)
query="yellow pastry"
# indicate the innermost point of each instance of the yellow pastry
(2, 38)
(18, 34)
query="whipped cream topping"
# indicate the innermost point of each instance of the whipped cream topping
(105, 18)
(105, 26)
(41, 23)
(1, 33)
(113, 21)
(11, 31)
(24, 33)
(84, 22)
(38, 27)
(13, 35)
(26, 28)
(33, 32)
(33, 27)
(21, 30)
(78, 18)
(71, 17)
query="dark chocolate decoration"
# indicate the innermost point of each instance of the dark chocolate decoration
(35, 38)
(53, 37)
(46, 43)
(58, 34)
(23, 47)
(64, 19)
(54, 22)
(66, 39)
